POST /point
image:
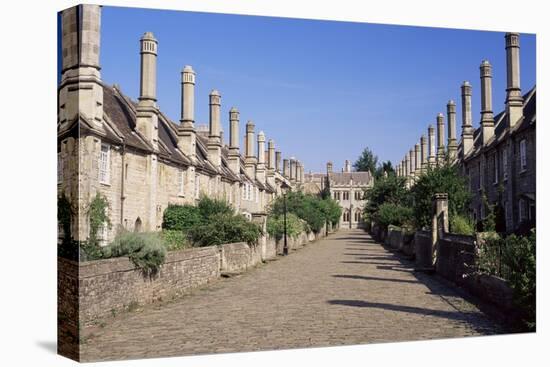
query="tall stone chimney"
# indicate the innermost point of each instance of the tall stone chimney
(260, 167)
(278, 161)
(440, 139)
(407, 165)
(487, 119)
(81, 90)
(214, 138)
(147, 112)
(424, 153)
(467, 129)
(417, 160)
(233, 156)
(286, 168)
(329, 167)
(412, 159)
(514, 99)
(451, 135)
(271, 162)
(347, 166)
(250, 159)
(431, 146)
(292, 174)
(187, 138)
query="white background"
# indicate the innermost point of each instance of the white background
(28, 181)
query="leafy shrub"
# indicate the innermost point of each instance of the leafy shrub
(514, 258)
(276, 227)
(225, 228)
(393, 214)
(386, 190)
(181, 217)
(447, 179)
(98, 217)
(174, 239)
(208, 207)
(314, 210)
(460, 224)
(145, 250)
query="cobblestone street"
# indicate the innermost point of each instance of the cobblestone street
(345, 289)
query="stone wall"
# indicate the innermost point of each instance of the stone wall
(112, 285)
(91, 291)
(455, 256)
(423, 249)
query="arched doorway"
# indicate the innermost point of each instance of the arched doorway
(137, 225)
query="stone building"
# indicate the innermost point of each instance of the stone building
(346, 187)
(499, 156)
(136, 157)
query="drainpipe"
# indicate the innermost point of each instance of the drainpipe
(122, 193)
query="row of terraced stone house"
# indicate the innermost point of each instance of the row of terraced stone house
(140, 160)
(498, 157)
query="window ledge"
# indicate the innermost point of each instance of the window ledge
(105, 183)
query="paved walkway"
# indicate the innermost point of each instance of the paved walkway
(345, 289)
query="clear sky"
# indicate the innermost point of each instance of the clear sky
(323, 90)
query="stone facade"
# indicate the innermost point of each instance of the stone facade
(135, 156)
(499, 156)
(347, 188)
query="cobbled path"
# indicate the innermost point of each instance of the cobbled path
(345, 289)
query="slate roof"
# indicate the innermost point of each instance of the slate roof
(502, 129)
(344, 178)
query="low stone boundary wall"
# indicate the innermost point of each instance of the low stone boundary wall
(491, 289)
(423, 249)
(455, 256)
(90, 291)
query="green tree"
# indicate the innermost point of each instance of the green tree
(442, 179)
(384, 167)
(389, 190)
(367, 161)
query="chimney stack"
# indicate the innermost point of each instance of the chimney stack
(407, 166)
(286, 168)
(424, 153)
(278, 161)
(271, 162)
(147, 114)
(329, 167)
(214, 138)
(431, 148)
(487, 119)
(347, 166)
(451, 141)
(292, 170)
(233, 156)
(250, 158)
(514, 99)
(260, 167)
(417, 160)
(412, 162)
(186, 131)
(440, 139)
(467, 129)
(81, 90)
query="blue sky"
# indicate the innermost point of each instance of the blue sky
(322, 90)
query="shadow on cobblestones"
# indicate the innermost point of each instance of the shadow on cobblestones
(451, 315)
(362, 277)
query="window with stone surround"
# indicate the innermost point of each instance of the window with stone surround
(105, 164)
(181, 182)
(523, 154)
(504, 163)
(197, 185)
